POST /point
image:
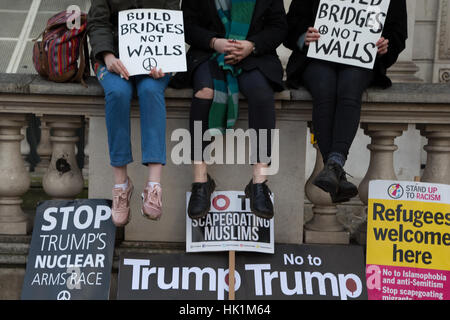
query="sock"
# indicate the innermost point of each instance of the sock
(152, 184)
(338, 158)
(124, 186)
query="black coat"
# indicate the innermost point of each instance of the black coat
(301, 16)
(268, 29)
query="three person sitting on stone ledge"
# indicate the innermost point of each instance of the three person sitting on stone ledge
(226, 58)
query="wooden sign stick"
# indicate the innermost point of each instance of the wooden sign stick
(231, 278)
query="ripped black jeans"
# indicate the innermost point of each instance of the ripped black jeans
(261, 106)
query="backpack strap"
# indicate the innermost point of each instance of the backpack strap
(79, 76)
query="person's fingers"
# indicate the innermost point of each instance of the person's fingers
(160, 73)
(239, 45)
(383, 50)
(156, 73)
(116, 68)
(122, 70)
(384, 46)
(122, 66)
(311, 39)
(229, 47)
(230, 57)
(380, 41)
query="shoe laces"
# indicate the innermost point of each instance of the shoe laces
(153, 196)
(121, 199)
(264, 187)
(339, 170)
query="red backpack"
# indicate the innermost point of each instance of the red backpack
(56, 56)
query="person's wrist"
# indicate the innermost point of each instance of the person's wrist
(253, 47)
(107, 55)
(212, 43)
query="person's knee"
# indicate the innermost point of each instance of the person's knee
(261, 97)
(150, 89)
(205, 94)
(347, 92)
(119, 93)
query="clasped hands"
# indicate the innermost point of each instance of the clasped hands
(235, 50)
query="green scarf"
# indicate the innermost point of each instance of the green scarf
(225, 106)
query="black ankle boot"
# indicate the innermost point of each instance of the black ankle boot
(346, 190)
(328, 178)
(332, 180)
(200, 201)
(260, 201)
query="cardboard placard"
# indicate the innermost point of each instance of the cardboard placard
(408, 241)
(230, 225)
(71, 251)
(152, 38)
(294, 272)
(349, 31)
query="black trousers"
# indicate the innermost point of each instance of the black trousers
(261, 107)
(337, 91)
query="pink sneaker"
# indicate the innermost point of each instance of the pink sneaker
(152, 202)
(121, 205)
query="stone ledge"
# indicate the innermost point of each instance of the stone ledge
(426, 93)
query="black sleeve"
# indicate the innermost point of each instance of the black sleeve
(173, 4)
(275, 29)
(300, 17)
(100, 29)
(396, 31)
(197, 35)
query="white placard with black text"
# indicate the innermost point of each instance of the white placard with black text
(151, 38)
(349, 31)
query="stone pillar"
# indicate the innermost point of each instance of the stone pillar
(437, 169)
(381, 165)
(44, 148)
(405, 69)
(25, 148)
(441, 69)
(63, 179)
(15, 179)
(86, 149)
(324, 228)
(382, 148)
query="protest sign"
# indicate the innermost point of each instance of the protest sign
(152, 38)
(349, 31)
(229, 226)
(408, 239)
(294, 272)
(71, 251)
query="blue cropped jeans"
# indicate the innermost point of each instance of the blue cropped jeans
(118, 96)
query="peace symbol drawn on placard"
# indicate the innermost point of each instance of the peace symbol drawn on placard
(323, 29)
(149, 63)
